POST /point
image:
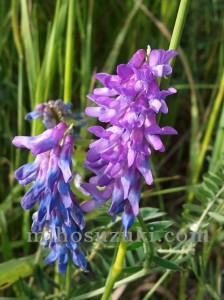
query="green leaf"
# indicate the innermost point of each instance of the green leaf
(212, 292)
(220, 175)
(200, 195)
(96, 270)
(130, 259)
(158, 235)
(148, 213)
(145, 211)
(42, 279)
(166, 263)
(159, 225)
(207, 191)
(28, 293)
(104, 263)
(193, 207)
(190, 218)
(132, 270)
(134, 245)
(12, 270)
(140, 254)
(210, 183)
(216, 179)
(219, 218)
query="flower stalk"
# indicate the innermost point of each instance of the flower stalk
(115, 269)
(177, 34)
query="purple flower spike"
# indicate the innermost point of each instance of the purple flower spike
(58, 213)
(129, 102)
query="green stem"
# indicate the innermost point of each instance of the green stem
(68, 279)
(56, 280)
(115, 270)
(118, 263)
(156, 285)
(170, 190)
(69, 52)
(177, 33)
(179, 26)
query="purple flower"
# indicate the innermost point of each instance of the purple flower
(43, 142)
(51, 174)
(159, 62)
(129, 102)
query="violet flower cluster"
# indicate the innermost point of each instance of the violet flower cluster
(129, 102)
(59, 215)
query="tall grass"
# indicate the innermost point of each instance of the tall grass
(50, 50)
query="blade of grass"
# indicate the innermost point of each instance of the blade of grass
(69, 54)
(17, 41)
(218, 149)
(31, 62)
(209, 130)
(86, 54)
(47, 72)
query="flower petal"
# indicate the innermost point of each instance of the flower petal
(31, 197)
(26, 170)
(137, 59)
(65, 160)
(161, 70)
(142, 164)
(104, 92)
(124, 71)
(64, 191)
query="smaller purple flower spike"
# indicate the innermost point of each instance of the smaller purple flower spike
(58, 212)
(129, 102)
